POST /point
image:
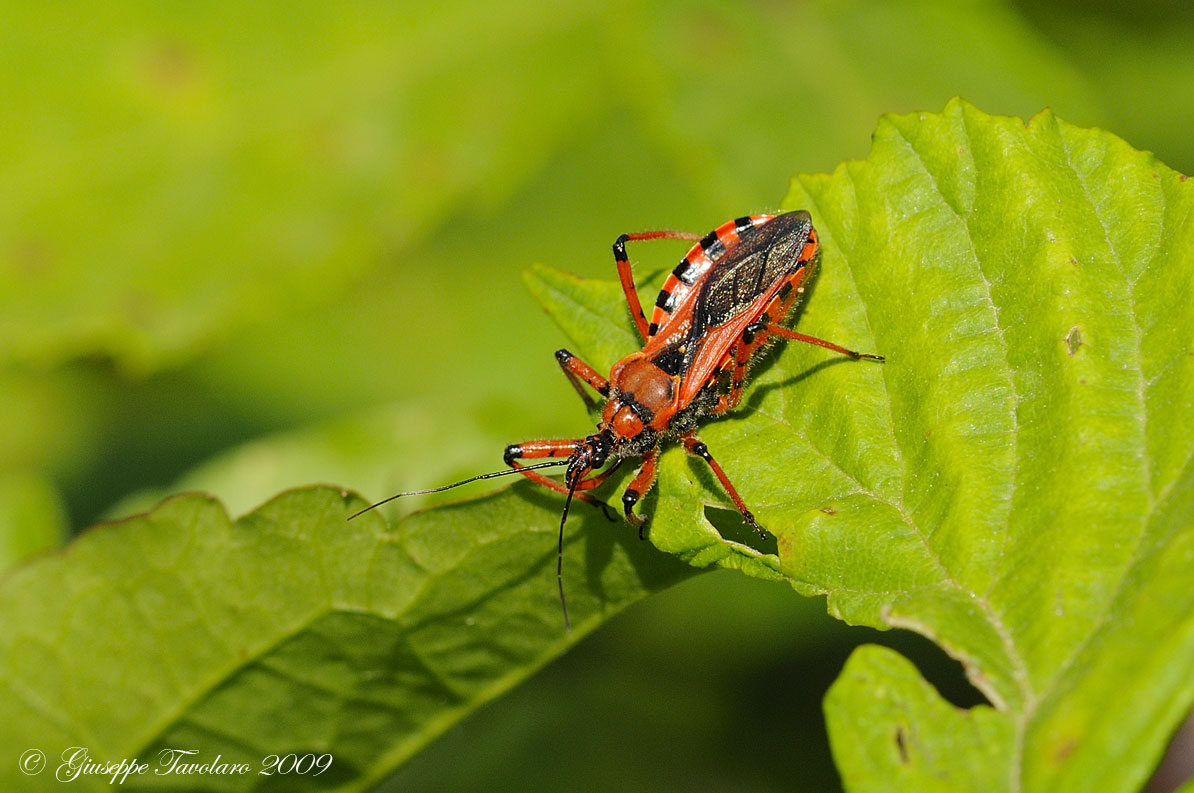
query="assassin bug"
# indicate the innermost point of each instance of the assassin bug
(717, 311)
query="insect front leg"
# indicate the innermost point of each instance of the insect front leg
(578, 372)
(695, 445)
(627, 277)
(533, 450)
(644, 478)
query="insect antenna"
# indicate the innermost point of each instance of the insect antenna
(478, 477)
(572, 482)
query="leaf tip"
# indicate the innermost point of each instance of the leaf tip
(958, 105)
(533, 276)
(539, 277)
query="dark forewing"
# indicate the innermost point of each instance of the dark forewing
(757, 264)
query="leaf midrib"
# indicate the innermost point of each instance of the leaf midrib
(1019, 670)
(1015, 658)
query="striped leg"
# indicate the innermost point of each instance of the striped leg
(644, 478)
(695, 445)
(578, 372)
(627, 278)
(784, 302)
(791, 334)
(753, 337)
(532, 450)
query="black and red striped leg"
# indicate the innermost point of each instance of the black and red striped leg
(644, 478)
(753, 337)
(695, 445)
(784, 302)
(534, 450)
(578, 372)
(756, 334)
(627, 278)
(791, 334)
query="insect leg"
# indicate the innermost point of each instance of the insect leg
(783, 304)
(627, 278)
(695, 445)
(578, 372)
(791, 334)
(644, 478)
(530, 450)
(753, 337)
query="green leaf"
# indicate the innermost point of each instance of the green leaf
(292, 630)
(909, 732)
(1016, 482)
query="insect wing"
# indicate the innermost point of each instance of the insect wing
(682, 287)
(738, 290)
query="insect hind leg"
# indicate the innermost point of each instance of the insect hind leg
(791, 334)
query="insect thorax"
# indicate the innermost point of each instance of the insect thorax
(689, 417)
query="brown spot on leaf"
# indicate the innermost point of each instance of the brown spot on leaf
(30, 257)
(1073, 340)
(1063, 750)
(902, 744)
(170, 66)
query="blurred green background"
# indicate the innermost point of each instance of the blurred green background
(252, 246)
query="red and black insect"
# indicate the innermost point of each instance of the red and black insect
(716, 312)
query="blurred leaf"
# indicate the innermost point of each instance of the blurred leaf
(51, 421)
(737, 91)
(1015, 482)
(31, 517)
(383, 451)
(172, 173)
(292, 630)
(1139, 57)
